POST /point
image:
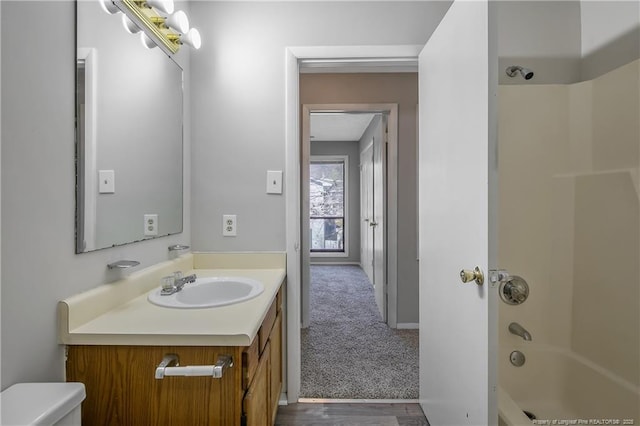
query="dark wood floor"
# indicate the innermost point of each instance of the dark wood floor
(352, 414)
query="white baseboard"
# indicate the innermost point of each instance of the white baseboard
(336, 263)
(283, 399)
(408, 326)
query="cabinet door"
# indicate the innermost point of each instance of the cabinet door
(122, 389)
(250, 360)
(256, 400)
(276, 367)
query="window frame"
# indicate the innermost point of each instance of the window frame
(346, 225)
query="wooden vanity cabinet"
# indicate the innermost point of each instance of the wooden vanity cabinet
(122, 389)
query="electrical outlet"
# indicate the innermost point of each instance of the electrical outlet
(229, 225)
(150, 224)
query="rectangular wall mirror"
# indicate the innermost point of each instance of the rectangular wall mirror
(129, 103)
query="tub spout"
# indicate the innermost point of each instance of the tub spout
(518, 330)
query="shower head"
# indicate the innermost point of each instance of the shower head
(513, 70)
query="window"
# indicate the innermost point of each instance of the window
(328, 205)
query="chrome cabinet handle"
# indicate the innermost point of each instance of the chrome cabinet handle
(169, 366)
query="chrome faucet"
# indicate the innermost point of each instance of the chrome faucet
(518, 330)
(172, 284)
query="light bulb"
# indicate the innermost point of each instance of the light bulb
(129, 25)
(146, 41)
(178, 21)
(192, 38)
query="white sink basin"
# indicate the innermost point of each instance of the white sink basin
(209, 293)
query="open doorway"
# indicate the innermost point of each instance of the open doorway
(397, 89)
(349, 176)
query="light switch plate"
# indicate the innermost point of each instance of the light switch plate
(274, 181)
(107, 181)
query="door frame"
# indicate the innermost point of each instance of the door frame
(366, 190)
(390, 213)
(372, 55)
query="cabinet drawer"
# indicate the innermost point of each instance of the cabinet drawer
(267, 325)
(250, 360)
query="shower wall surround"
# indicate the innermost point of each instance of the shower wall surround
(569, 167)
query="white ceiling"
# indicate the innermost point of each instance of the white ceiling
(343, 127)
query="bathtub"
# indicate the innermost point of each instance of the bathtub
(561, 387)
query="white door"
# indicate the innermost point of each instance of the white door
(366, 210)
(457, 321)
(378, 222)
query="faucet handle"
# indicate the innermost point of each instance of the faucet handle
(514, 290)
(168, 283)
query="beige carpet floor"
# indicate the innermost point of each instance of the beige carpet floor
(348, 352)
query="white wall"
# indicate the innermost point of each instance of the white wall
(610, 35)
(541, 35)
(547, 29)
(38, 177)
(239, 104)
(605, 21)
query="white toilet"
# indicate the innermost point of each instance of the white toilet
(42, 404)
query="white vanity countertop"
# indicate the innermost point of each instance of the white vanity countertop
(139, 322)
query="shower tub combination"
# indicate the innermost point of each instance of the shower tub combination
(559, 385)
(570, 224)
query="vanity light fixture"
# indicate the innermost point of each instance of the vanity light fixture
(156, 21)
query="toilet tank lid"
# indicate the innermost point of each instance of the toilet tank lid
(39, 403)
